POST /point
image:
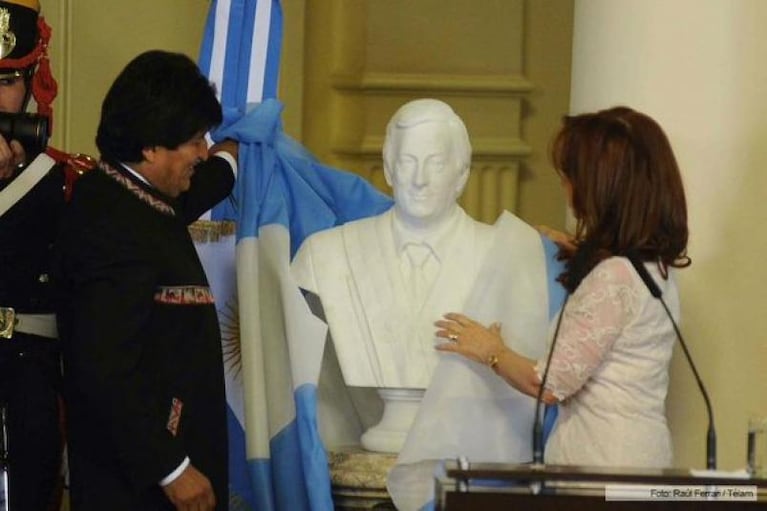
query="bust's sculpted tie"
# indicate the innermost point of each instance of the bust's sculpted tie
(421, 271)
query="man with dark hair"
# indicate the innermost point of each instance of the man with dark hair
(34, 184)
(143, 369)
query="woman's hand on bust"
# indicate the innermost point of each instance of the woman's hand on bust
(469, 338)
(560, 238)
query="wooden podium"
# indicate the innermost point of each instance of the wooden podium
(495, 486)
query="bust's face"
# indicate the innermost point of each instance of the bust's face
(424, 175)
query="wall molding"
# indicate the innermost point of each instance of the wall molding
(482, 148)
(58, 14)
(358, 87)
(67, 9)
(473, 84)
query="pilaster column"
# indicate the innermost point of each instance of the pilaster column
(698, 68)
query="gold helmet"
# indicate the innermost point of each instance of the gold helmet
(24, 37)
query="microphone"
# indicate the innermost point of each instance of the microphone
(656, 292)
(538, 420)
(578, 268)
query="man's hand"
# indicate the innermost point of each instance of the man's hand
(11, 156)
(228, 145)
(191, 491)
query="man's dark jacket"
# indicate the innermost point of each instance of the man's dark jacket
(143, 370)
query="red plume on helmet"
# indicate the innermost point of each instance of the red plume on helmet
(24, 37)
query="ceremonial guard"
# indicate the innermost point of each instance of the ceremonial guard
(35, 182)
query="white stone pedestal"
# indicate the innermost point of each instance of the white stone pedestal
(400, 408)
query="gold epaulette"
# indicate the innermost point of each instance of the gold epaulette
(74, 166)
(80, 163)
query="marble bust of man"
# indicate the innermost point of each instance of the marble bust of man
(384, 280)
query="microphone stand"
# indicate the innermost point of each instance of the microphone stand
(538, 421)
(656, 292)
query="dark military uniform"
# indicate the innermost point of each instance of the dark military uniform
(143, 367)
(29, 353)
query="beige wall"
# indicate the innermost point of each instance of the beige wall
(94, 39)
(503, 66)
(548, 44)
(706, 90)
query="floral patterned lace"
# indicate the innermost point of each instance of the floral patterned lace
(606, 301)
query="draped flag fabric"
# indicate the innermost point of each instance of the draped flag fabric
(282, 194)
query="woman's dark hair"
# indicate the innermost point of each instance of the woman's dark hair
(159, 99)
(627, 193)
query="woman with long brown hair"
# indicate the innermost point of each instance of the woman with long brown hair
(609, 367)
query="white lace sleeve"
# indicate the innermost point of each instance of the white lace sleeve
(594, 317)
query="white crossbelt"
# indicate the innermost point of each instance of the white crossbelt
(25, 181)
(43, 325)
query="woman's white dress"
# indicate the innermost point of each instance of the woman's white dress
(610, 370)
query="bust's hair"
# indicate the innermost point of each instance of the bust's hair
(422, 111)
(627, 192)
(159, 99)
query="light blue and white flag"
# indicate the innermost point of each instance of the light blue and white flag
(241, 50)
(282, 194)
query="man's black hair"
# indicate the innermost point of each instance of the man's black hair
(159, 99)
